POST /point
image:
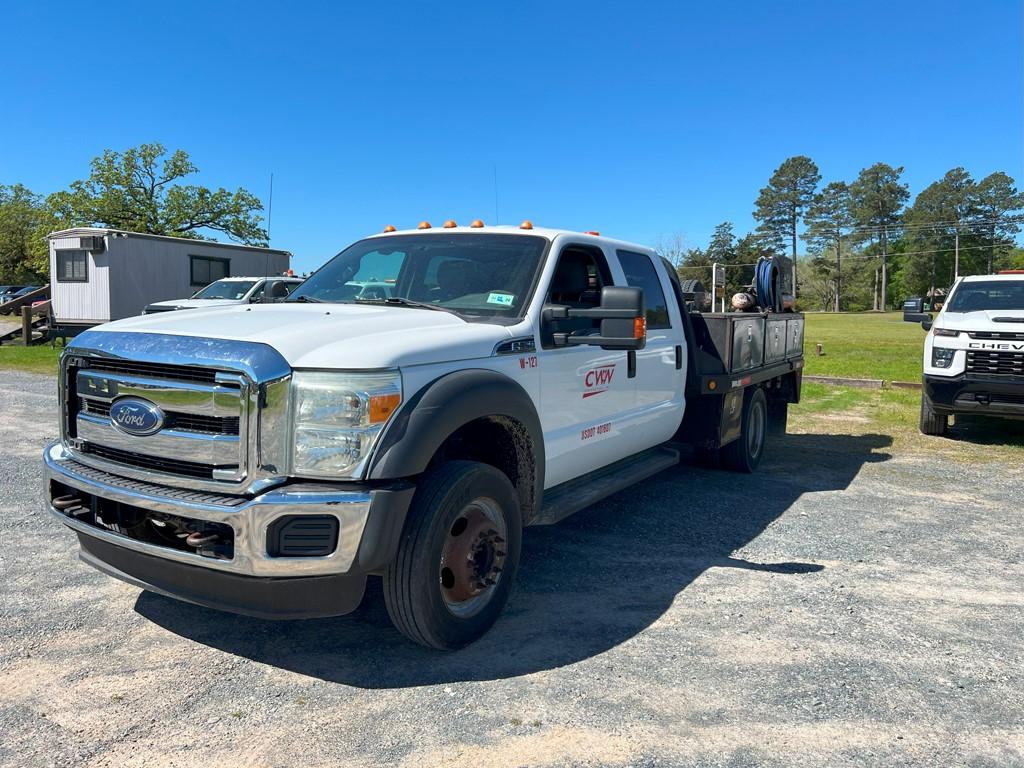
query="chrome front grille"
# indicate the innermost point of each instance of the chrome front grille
(188, 422)
(209, 436)
(201, 435)
(995, 362)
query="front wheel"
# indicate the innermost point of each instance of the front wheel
(931, 422)
(458, 556)
(744, 453)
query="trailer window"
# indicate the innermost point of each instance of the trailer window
(72, 267)
(640, 273)
(207, 269)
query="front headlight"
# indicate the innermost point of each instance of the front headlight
(942, 357)
(337, 418)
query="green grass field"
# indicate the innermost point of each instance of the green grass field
(864, 346)
(38, 359)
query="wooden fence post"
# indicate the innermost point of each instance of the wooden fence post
(26, 325)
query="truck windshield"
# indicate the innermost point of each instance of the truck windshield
(226, 289)
(473, 275)
(988, 294)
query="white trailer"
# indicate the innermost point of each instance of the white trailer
(99, 275)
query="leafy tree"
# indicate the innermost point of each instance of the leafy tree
(942, 232)
(827, 217)
(876, 200)
(134, 190)
(24, 255)
(780, 205)
(995, 200)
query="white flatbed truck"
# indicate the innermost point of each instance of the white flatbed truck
(267, 459)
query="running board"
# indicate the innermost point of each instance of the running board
(572, 496)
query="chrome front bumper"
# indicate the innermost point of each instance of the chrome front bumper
(249, 518)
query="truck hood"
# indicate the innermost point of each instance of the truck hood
(332, 335)
(983, 320)
(196, 303)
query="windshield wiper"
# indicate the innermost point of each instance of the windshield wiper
(305, 298)
(399, 301)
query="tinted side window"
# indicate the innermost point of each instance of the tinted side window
(640, 273)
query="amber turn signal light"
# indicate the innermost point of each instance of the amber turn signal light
(639, 327)
(382, 406)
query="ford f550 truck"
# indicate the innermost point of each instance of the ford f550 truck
(267, 459)
(974, 351)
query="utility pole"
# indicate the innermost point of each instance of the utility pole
(839, 267)
(956, 257)
(885, 266)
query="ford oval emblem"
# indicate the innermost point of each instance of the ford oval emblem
(135, 416)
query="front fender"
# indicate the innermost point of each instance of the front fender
(443, 406)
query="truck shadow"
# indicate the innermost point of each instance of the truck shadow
(987, 430)
(586, 585)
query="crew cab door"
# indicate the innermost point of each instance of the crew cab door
(661, 364)
(584, 390)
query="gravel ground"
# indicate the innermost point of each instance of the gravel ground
(844, 606)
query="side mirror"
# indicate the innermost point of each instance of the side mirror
(913, 312)
(623, 321)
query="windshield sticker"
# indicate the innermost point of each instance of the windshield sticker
(502, 299)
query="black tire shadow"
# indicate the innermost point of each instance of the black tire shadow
(585, 585)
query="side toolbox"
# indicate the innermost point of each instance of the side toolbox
(775, 339)
(747, 341)
(794, 336)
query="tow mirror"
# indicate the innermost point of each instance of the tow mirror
(913, 312)
(622, 315)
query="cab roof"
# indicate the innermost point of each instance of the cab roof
(548, 233)
(1019, 276)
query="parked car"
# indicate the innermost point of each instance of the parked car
(231, 290)
(17, 294)
(974, 350)
(268, 459)
(7, 292)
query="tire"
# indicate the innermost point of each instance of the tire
(691, 286)
(464, 522)
(744, 454)
(932, 423)
(778, 416)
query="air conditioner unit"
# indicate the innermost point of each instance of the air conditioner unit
(94, 243)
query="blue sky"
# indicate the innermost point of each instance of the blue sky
(637, 119)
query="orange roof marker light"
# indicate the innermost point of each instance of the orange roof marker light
(450, 224)
(389, 228)
(592, 232)
(424, 225)
(526, 225)
(476, 224)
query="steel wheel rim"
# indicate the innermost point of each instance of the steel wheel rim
(757, 428)
(473, 557)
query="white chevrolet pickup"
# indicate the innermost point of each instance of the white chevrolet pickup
(974, 351)
(267, 459)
